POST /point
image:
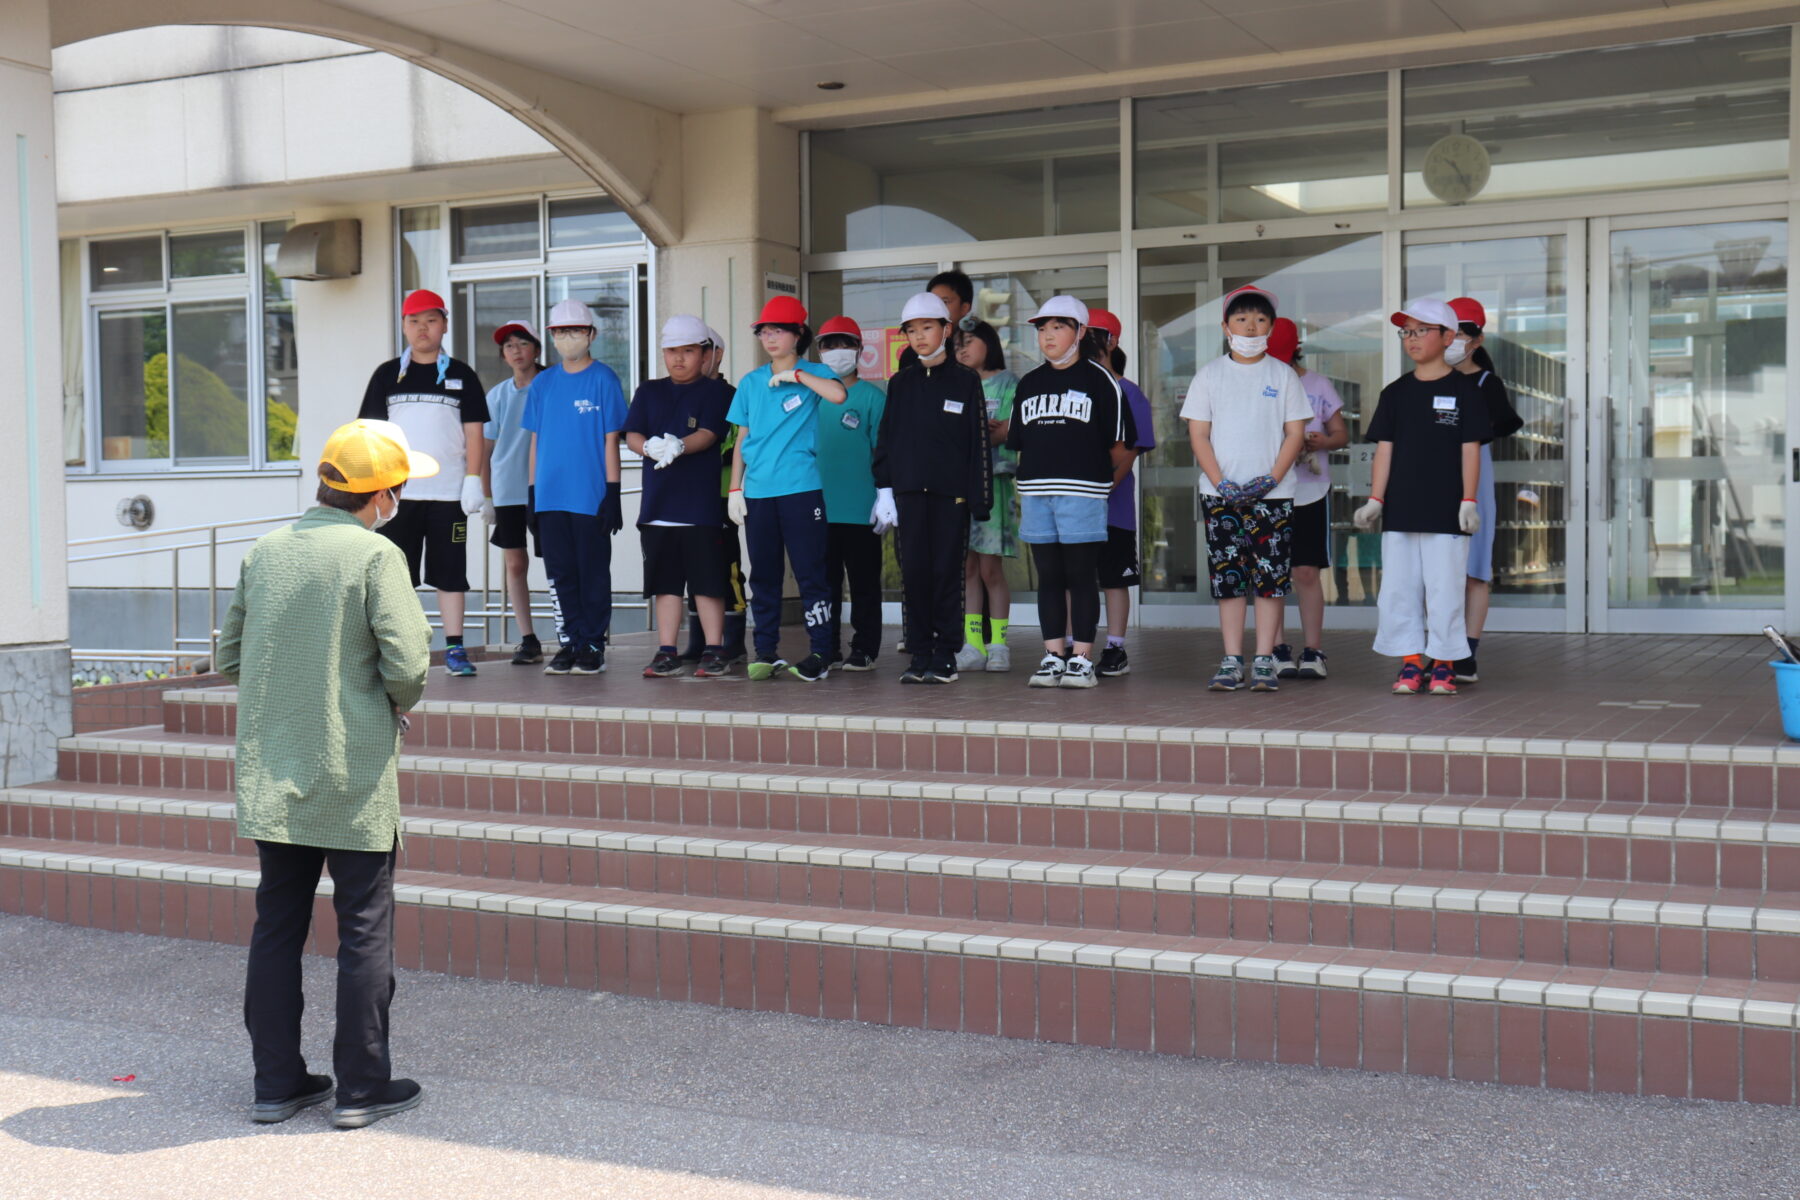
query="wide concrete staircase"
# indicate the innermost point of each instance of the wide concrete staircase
(1529, 913)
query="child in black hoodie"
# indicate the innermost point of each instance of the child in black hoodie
(932, 474)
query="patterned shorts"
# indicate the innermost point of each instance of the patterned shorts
(1247, 548)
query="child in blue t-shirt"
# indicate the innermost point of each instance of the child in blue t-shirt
(574, 413)
(776, 491)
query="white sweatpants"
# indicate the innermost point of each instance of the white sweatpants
(1420, 608)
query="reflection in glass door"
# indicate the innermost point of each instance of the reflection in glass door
(481, 306)
(1694, 423)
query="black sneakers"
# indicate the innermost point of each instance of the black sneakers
(530, 651)
(1285, 666)
(589, 660)
(398, 1096)
(316, 1090)
(916, 670)
(563, 663)
(713, 664)
(858, 661)
(1465, 670)
(812, 668)
(1113, 662)
(663, 665)
(943, 670)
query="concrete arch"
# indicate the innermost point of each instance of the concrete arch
(632, 150)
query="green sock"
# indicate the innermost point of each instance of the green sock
(999, 625)
(972, 629)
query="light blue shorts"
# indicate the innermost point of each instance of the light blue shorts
(1065, 519)
(1481, 543)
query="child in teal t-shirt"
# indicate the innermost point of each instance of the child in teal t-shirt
(852, 548)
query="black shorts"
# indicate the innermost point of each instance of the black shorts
(1309, 534)
(437, 532)
(1119, 559)
(510, 529)
(683, 558)
(1247, 548)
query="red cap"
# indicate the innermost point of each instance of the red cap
(519, 327)
(1099, 318)
(1470, 310)
(423, 300)
(1250, 289)
(782, 310)
(1284, 340)
(840, 325)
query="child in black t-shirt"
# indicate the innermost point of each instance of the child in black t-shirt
(1428, 429)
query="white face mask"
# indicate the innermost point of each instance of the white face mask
(1249, 347)
(382, 518)
(572, 343)
(1458, 350)
(842, 362)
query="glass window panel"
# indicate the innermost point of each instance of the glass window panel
(1331, 287)
(481, 307)
(1704, 110)
(1520, 281)
(125, 263)
(281, 359)
(494, 232)
(423, 260)
(608, 294)
(210, 394)
(1285, 150)
(1698, 356)
(1010, 175)
(873, 298)
(590, 221)
(134, 384)
(198, 255)
(72, 312)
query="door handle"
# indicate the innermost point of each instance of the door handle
(1608, 485)
(1796, 454)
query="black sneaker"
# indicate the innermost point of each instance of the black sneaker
(316, 1090)
(917, 670)
(398, 1096)
(1114, 662)
(563, 663)
(530, 651)
(812, 668)
(663, 665)
(941, 671)
(1312, 664)
(1285, 666)
(1465, 670)
(858, 661)
(712, 665)
(589, 661)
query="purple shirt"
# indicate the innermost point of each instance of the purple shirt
(1121, 506)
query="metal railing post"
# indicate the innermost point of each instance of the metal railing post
(212, 598)
(175, 606)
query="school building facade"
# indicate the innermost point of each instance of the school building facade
(1613, 179)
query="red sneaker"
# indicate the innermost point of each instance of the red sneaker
(1410, 680)
(1443, 679)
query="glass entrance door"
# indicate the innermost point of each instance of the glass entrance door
(1690, 435)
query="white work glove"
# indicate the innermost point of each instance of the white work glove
(1368, 516)
(471, 495)
(736, 507)
(1468, 516)
(670, 450)
(777, 378)
(653, 448)
(884, 516)
(488, 516)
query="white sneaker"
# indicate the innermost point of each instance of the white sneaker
(1049, 672)
(1079, 673)
(970, 658)
(999, 658)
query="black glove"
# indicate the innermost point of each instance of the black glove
(612, 512)
(531, 510)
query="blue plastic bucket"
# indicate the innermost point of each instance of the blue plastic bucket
(1787, 690)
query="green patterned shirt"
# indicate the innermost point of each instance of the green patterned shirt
(325, 640)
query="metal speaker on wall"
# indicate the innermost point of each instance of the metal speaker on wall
(136, 512)
(321, 250)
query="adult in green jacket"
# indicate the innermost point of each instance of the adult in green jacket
(327, 644)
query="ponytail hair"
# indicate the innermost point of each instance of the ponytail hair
(1485, 361)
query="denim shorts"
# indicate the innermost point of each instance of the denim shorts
(1065, 519)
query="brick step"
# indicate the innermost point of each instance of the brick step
(1724, 933)
(1652, 844)
(1749, 777)
(1578, 1029)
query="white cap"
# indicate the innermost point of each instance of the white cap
(683, 330)
(713, 336)
(1427, 312)
(924, 307)
(1067, 307)
(570, 314)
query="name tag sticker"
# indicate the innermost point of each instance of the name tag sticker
(953, 406)
(852, 421)
(1443, 403)
(454, 385)
(790, 404)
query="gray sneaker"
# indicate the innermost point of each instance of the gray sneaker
(1230, 675)
(1262, 674)
(999, 658)
(971, 658)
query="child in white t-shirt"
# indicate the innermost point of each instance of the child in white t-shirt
(1310, 540)
(1247, 415)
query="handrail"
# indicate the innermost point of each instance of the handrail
(152, 533)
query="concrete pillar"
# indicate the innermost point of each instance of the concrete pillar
(740, 176)
(34, 600)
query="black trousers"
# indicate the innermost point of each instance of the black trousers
(934, 541)
(1068, 588)
(363, 894)
(578, 559)
(853, 553)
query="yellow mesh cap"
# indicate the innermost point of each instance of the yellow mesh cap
(372, 456)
